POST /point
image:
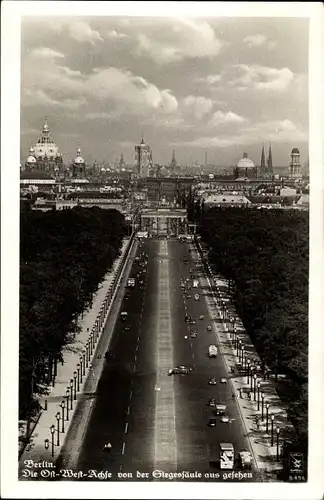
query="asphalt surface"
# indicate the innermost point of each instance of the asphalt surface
(155, 421)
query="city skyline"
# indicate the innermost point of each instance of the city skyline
(221, 86)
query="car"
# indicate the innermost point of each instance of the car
(223, 380)
(188, 296)
(127, 328)
(193, 334)
(192, 321)
(225, 419)
(180, 370)
(209, 328)
(212, 402)
(212, 422)
(212, 381)
(201, 316)
(187, 319)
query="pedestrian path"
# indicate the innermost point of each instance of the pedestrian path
(59, 405)
(263, 413)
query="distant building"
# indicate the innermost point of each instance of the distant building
(143, 159)
(245, 168)
(295, 165)
(45, 156)
(78, 166)
(173, 165)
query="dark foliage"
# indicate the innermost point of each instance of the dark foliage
(63, 257)
(265, 255)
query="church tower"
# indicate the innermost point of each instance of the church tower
(263, 165)
(269, 165)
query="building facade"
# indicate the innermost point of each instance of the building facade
(143, 159)
(295, 172)
(45, 156)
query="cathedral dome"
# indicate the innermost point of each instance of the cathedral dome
(45, 145)
(79, 160)
(295, 151)
(245, 162)
(31, 159)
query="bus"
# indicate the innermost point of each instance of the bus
(226, 455)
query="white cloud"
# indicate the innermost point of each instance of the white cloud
(117, 34)
(220, 118)
(32, 97)
(187, 38)
(255, 40)
(262, 78)
(280, 131)
(45, 52)
(260, 40)
(199, 106)
(128, 92)
(82, 32)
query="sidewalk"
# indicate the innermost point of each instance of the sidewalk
(237, 348)
(45, 443)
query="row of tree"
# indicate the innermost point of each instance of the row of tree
(265, 256)
(64, 255)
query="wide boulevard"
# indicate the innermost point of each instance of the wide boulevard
(152, 420)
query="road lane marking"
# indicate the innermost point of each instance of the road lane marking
(128, 410)
(123, 448)
(126, 427)
(165, 428)
(135, 357)
(136, 347)
(130, 394)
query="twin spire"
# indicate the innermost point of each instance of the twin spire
(266, 167)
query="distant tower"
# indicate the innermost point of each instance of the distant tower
(122, 164)
(269, 165)
(143, 159)
(295, 165)
(263, 165)
(173, 163)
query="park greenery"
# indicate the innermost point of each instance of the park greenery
(264, 255)
(64, 256)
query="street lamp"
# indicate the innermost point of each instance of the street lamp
(52, 434)
(251, 387)
(278, 431)
(81, 366)
(87, 353)
(259, 385)
(78, 368)
(67, 395)
(46, 441)
(248, 370)
(267, 413)
(63, 410)
(242, 354)
(75, 384)
(262, 405)
(254, 388)
(272, 422)
(71, 392)
(58, 417)
(84, 360)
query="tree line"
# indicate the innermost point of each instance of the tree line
(64, 255)
(264, 254)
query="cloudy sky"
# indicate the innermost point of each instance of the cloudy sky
(221, 85)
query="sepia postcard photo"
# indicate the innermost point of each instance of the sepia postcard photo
(162, 257)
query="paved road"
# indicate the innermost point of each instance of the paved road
(155, 421)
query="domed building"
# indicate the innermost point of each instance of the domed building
(295, 172)
(245, 169)
(31, 162)
(78, 166)
(45, 157)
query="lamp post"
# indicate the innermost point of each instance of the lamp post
(83, 360)
(63, 414)
(58, 417)
(272, 422)
(71, 392)
(267, 413)
(52, 434)
(242, 354)
(254, 386)
(259, 385)
(278, 432)
(75, 383)
(251, 387)
(46, 441)
(262, 406)
(67, 396)
(81, 367)
(248, 370)
(78, 369)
